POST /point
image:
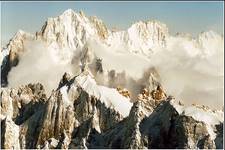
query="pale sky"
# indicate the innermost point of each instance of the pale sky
(191, 17)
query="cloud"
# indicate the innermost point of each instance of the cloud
(191, 72)
(38, 64)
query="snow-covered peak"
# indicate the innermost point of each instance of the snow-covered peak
(141, 37)
(148, 24)
(75, 16)
(73, 30)
(70, 29)
(68, 12)
(154, 30)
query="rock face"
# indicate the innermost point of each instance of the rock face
(78, 115)
(161, 127)
(164, 128)
(69, 110)
(21, 103)
(10, 134)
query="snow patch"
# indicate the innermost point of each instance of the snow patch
(109, 96)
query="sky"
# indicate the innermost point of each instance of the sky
(188, 17)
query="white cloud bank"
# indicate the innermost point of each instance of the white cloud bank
(192, 73)
(38, 64)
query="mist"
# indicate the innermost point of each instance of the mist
(191, 73)
(38, 64)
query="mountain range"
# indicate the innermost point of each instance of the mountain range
(78, 84)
